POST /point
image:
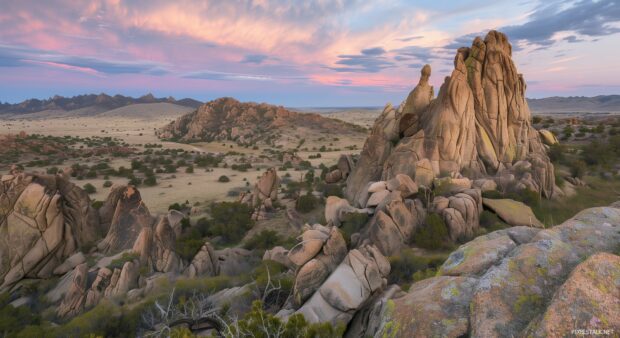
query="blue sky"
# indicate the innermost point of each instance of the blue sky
(294, 53)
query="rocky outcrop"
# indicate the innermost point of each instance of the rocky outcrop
(205, 263)
(479, 126)
(156, 247)
(245, 122)
(130, 216)
(318, 253)
(519, 281)
(590, 297)
(264, 194)
(44, 219)
(360, 275)
(343, 168)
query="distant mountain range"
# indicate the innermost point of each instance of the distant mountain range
(601, 103)
(91, 104)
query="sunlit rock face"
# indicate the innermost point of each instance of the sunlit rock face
(479, 126)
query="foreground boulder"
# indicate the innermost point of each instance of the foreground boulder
(353, 282)
(513, 212)
(518, 282)
(44, 219)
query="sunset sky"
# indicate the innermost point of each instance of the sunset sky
(295, 53)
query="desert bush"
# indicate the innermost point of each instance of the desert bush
(352, 223)
(13, 319)
(491, 221)
(107, 184)
(125, 257)
(578, 168)
(306, 203)
(231, 220)
(189, 169)
(265, 239)
(406, 263)
(150, 181)
(223, 179)
(261, 324)
(89, 188)
(433, 234)
(187, 246)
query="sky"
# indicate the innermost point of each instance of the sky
(297, 53)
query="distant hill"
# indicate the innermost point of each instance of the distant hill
(601, 103)
(86, 105)
(249, 122)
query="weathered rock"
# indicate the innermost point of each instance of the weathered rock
(336, 208)
(314, 272)
(205, 263)
(333, 176)
(357, 278)
(345, 165)
(44, 219)
(478, 125)
(280, 255)
(73, 301)
(71, 262)
(548, 137)
(376, 198)
(589, 299)
(130, 216)
(485, 184)
(513, 212)
(517, 282)
(386, 235)
(312, 241)
(435, 307)
(404, 184)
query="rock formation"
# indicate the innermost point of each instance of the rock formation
(44, 219)
(246, 123)
(318, 253)
(519, 281)
(360, 275)
(479, 126)
(130, 216)
(264, 194)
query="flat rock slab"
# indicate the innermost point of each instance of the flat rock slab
(513, 212)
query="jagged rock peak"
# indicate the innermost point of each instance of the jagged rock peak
(479, 126)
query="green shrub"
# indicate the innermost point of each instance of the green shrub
(13, 319)
(406, 264)
(306, 203)
(231, 220)
(433, 234)
(89, 188)
(266, 239)
(97, 204)
(187, 246)
(260, 324)
(125, 257)
(332, 190)
(352, 223)
(175, 206)
(491, 221)
(578, 168)
(107, 184)
(223, 179)
(189, 169)
(150, 181)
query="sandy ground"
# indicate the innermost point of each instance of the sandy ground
(201, 186)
